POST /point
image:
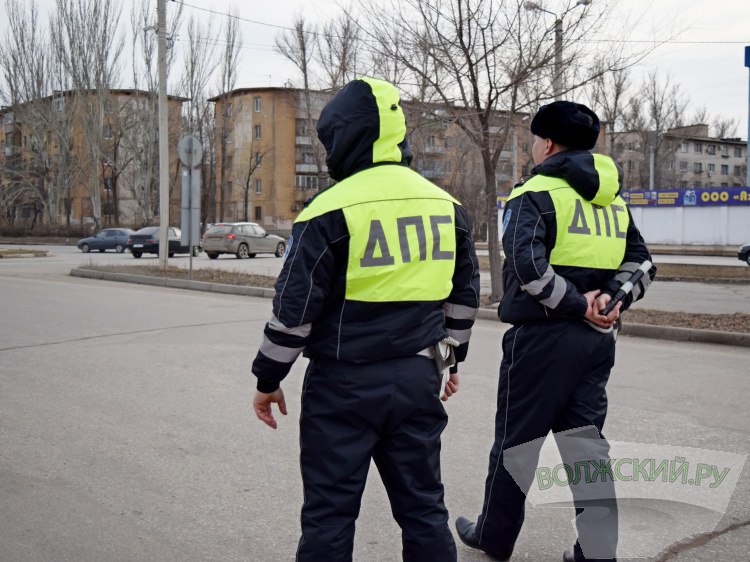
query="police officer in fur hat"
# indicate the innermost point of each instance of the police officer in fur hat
(570, 243)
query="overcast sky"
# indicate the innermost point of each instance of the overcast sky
(705, 52)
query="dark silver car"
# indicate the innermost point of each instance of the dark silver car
(243, 239)
(108, 239)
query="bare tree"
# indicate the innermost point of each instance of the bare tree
(250, 159)
(298, 46)
(659, 106)
(337, 51)
(39, 172)
(607, 95)
(724, 127)
(229, 62)
(86, 38)
(199, 63)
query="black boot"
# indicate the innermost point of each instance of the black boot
(467, 532)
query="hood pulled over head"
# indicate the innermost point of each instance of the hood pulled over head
(595, 177)
(363, 126)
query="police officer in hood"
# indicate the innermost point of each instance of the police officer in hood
(380, 271)
(570, 243)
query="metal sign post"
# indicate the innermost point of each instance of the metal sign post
(191, 153)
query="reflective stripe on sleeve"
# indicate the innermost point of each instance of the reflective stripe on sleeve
(279, 353)
(459, 311)
(301, 331)
(535, 288)
(558, 292)
(461, 336)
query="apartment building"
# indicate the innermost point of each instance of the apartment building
(686, 157)
(73, 158)
(268, 158)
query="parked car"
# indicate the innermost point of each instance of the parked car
(146, 241)
(108, 239)
(744, 253)
(243, 239)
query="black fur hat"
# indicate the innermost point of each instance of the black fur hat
(569, 124)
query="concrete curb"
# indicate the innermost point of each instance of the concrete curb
(173, 283)
(22, 256)
(636, 330)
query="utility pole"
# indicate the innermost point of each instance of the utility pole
(161, 10)
(557, 86)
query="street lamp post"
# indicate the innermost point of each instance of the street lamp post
(557, 78)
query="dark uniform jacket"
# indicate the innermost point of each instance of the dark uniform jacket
(537, 288)
(380, 265)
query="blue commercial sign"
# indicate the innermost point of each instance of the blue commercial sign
(687, 197)
(747, 57)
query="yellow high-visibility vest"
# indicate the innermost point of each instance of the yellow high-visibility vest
(588, 235)
(402, 244)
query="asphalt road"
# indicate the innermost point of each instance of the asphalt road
(663, 295)
(126, 430)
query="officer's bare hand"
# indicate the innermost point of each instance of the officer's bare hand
(262, 406)
(592, 312)
(451, 387)
(601, 301)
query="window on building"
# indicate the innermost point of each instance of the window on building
(697, 167)
(724, 184)
(301, 127)
(725, 151)
(683, 166)
(258, 159)
(725, 169)
(58, 104)
(670, 165)
(630, 165)
(257, 131)
(108, 133)
(8, 118)
(229, 110)
(737, 170)
(683, 184)
(697, 184)
(230, 161)
(711, 149)
(228, 137)
(698, 147)
(258, 186)
(684, 147)
(257, 104)
(431, 142)
(738, 151)
(712, 168)
(258, 213)
(307, 182)
(228, 187)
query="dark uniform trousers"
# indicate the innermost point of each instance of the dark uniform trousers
(552, 377)
(388, 411)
